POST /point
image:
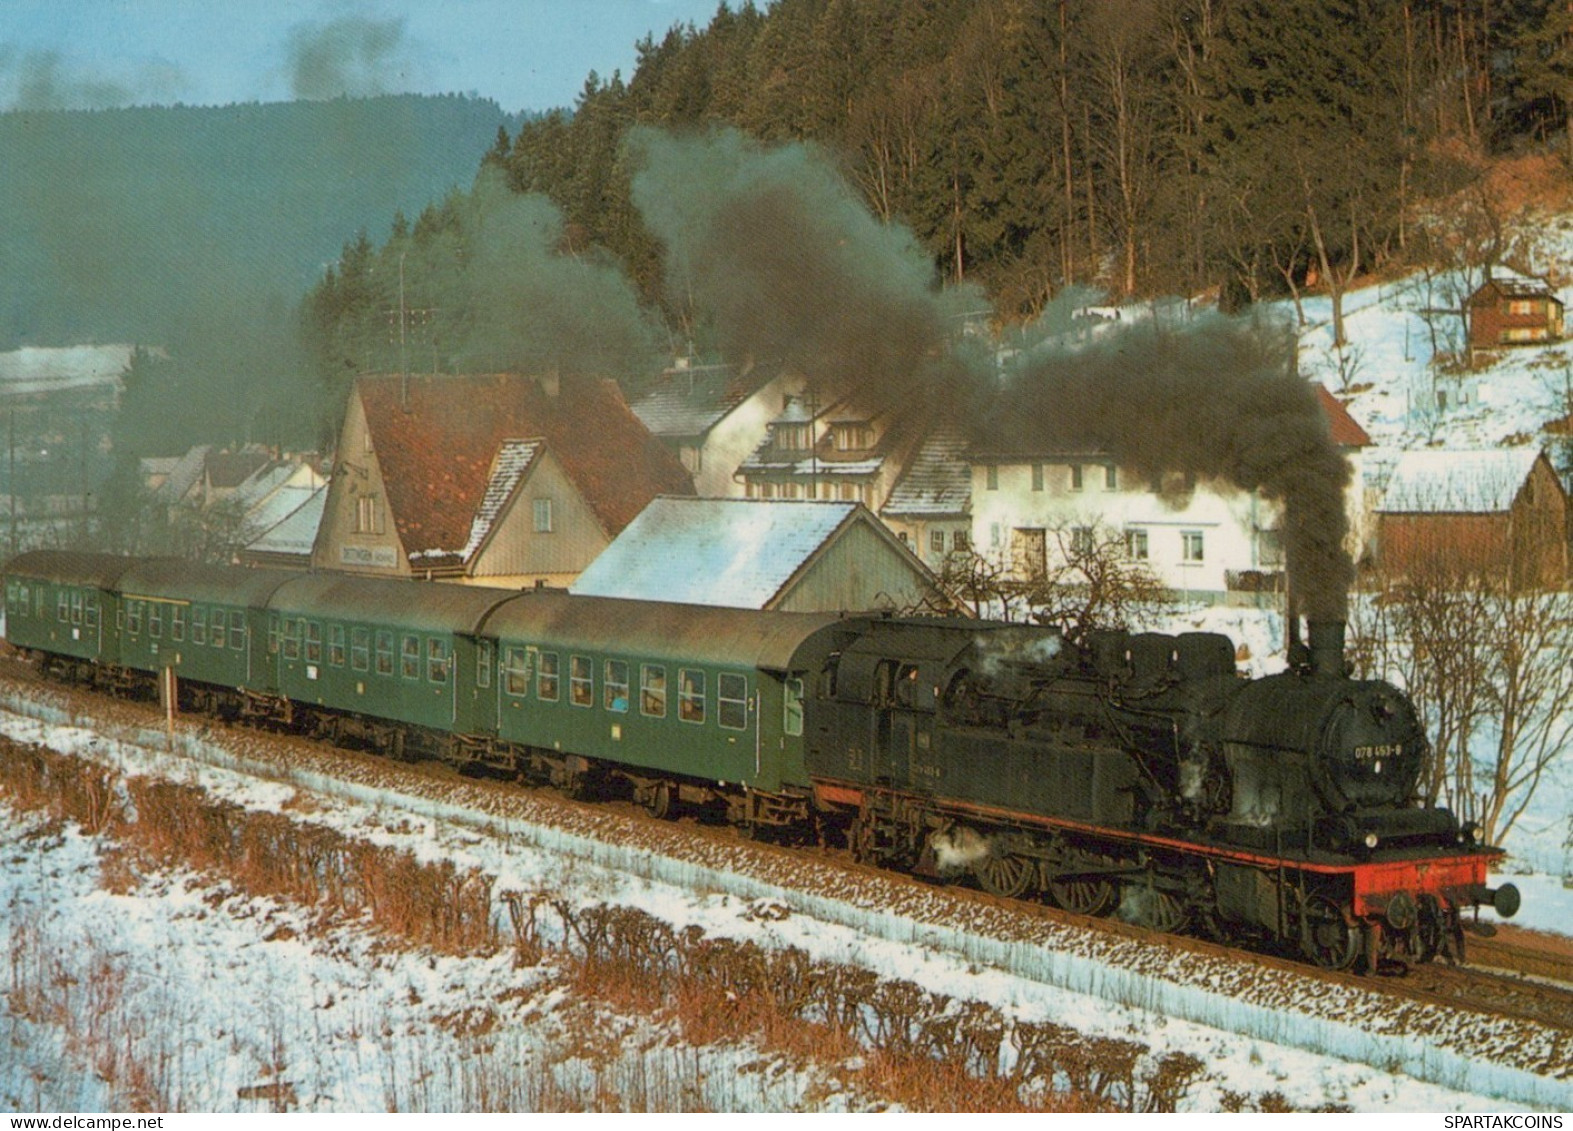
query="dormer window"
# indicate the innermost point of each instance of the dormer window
(853, 437)
(793, 437)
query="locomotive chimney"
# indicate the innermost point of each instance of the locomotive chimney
(1299, 656)
(1327, 648)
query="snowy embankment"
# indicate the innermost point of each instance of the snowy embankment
(1313, 1042)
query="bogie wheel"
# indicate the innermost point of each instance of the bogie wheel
(1327, 936)
(1006, 875)
(1430, 928)
(657, 799)
(1166, 911)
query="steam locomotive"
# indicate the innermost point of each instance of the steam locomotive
(1135, 774)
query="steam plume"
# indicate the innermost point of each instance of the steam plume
(350, 56)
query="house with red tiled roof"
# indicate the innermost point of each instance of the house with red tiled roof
(496, 479)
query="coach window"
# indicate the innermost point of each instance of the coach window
(792, 707)
(274, 634)
(336, 645)
(237, 630)
(384, 652)
(410, 657)
(313, 642)
(199, 625)
(516, 671)
(690, 695)
(483, 664)
(546, 678)
(216, 636)
(90, 613)
(134, 617)
(63, 607)
(360, 649)
(155, 619)
(616, 685)
(177, 623)
(581, 681)
(652, 690)
(436, 660)
(76, 606)
(291, 638)
(732, 701)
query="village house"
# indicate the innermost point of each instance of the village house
(1205, 540)
(797, 556)
(496, 479)
(1510, 309)
(713, 417)
(1498, 511)
(841, 452)
(930, 508)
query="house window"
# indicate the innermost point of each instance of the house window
(409, 657)
(789, 491)
(384, 652)
(1191, 546)
(767, 490)
(543, 516)
(848, 492)
(732, 701)
(853, 437)
(1081, 541)
(336, 645)
(360, 649)
(437, 660)
(581, 682)
(991, 477)
(960, 540)
(1037, 477)
(792, 437)
(515, 671)
(368, 515)
(615, 685)
(937, 541)
(1111, 477)
(1136, 545)
(546, 678)
(1076, 480)
(691, 695)
(652, 690)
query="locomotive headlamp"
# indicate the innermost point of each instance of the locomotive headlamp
(1471, 832)
(1371, 840)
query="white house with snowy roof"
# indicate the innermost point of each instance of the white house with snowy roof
(797, 556)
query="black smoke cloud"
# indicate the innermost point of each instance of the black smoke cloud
(778, 254)
(1211, 397)
(352, 56)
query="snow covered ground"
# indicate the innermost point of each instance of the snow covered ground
(254, 997)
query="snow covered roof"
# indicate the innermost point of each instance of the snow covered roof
(296, 533)
(1512, 284)
(730, 552)
(1457, 481)
(37, 369)
(184, 475)
(937, 482)
(690, 402)
(514, 458)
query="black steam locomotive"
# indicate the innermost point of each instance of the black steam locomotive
(1129, 773)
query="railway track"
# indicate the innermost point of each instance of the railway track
(1519, 977)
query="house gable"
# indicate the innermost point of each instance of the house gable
(357, 533)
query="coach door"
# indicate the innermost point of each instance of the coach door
(475, 685)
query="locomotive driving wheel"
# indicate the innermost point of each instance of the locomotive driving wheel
(1327, 936)
(1083, 895)
(1006, 874)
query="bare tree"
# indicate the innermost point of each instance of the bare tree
(1086, 581)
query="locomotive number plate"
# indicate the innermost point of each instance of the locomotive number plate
(1378, 750)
